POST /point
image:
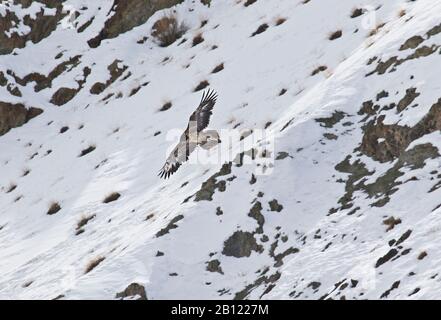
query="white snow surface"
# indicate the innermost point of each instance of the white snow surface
(335, 255)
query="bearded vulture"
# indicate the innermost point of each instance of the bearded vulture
(193, 136)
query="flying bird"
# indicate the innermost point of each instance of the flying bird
(195, 135)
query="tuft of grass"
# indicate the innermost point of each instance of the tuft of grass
(280, 21)
(376, 29)
(94, 263)
(167, 30)
(391, 222)
(422, 255)
(335, 35)
(198, 39)
(83, 221)
(356, 12)
(218, 68)
(53, 208)
(166, 106)
(202, 85)
(401, 13)
(11, 188)
(112, 197)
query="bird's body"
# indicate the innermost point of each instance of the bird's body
(193, 136)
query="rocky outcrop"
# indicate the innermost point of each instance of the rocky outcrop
(386, 142)
(15, 115)
(133, 290)
(63, 95)
(126, 15)
(209, 187)
(40, 27)
(45, 81)
(116, 69)
(240, 245)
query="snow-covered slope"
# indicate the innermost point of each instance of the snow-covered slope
(346, 91)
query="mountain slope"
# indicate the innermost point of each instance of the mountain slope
(341, 202)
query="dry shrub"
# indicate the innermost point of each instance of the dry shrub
(376, 29)
(280, 21)
(335, 35)
(198, 39)
(166, 106)
(53, 208)
(84, 220)
(93, 264)
(112, 197)
(167, 30)
(401, 13)
(356, 12)
(11, 188)
(202, 85)
(218, 68)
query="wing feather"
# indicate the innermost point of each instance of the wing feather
(201, 116)
(177, 157)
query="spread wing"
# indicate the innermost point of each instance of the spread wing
(178, 156)
(201, 116)
(188, 142)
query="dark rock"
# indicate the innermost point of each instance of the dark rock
(282, 155)
(127, 15)
(256, 214)
(170, 226)
(211, 185)
(410, 96)
(412, 43)
(132, 290)
(214, 266)
(391, 253)
(275, 206)
(97, 88)
(15, 115)
(112, 197)
(40, 27)
(63, 95)
(240, 245)
(329, 122)
(262, 28)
